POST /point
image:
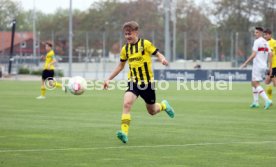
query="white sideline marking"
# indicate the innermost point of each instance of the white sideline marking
(128, 147)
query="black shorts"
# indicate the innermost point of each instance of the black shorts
(146, 91)
(273, 75)
(48, 74)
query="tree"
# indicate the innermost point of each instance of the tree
(233, 15)
(9, 10)
(241, 15)
(269, 14)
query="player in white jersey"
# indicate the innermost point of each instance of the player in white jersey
(261, 54)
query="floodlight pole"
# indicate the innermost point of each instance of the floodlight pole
(173, 18)
(34, 34)
(273, 20)
(70, 40)
(12, 44)
(166, 4)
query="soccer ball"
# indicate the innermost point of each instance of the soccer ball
(77, 85)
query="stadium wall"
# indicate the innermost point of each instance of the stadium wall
(217, 70)
(201, 75)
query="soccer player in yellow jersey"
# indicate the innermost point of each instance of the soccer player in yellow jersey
(271, 75)
(48, 71)
(137, 52)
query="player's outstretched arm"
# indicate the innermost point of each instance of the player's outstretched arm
(162, 59)
(52, 62)
(252, 56)
(115, 72)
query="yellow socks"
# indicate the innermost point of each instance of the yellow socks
(269, 91)
(42, 91)
(162, 106)
(125, 123)
(43, 88)
(57, 85)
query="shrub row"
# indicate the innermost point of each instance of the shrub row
(26, 70)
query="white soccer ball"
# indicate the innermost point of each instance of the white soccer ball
(77, 85)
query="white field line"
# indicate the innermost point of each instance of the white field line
(129, 147)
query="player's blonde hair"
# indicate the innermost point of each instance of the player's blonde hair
(131, 25)
(49, 44)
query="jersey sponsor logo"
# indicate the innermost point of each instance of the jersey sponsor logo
(135, 59)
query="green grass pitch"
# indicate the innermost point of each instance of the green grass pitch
(210, 129)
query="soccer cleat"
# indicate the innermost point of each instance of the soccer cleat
(40, 97)
(267, 104)
(254, 105)
(122, 136)
(169, 110)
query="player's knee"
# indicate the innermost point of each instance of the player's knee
(151, 110)
(127, 105)
(255, 84)
(267, 81)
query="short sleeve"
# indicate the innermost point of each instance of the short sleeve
(150, 48)
(51, 54)
(123, 56)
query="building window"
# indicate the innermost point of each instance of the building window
(23, 44)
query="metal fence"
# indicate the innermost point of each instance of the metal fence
(103, 47)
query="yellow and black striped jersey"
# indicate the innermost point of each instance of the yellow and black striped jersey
(272, 45)
(138, 56)
(50, 56)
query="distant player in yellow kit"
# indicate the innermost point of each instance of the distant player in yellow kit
(48, 71)
(271, 74)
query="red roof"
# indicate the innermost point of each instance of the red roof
(18, 38)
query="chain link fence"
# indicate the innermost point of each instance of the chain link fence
(98, 52)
